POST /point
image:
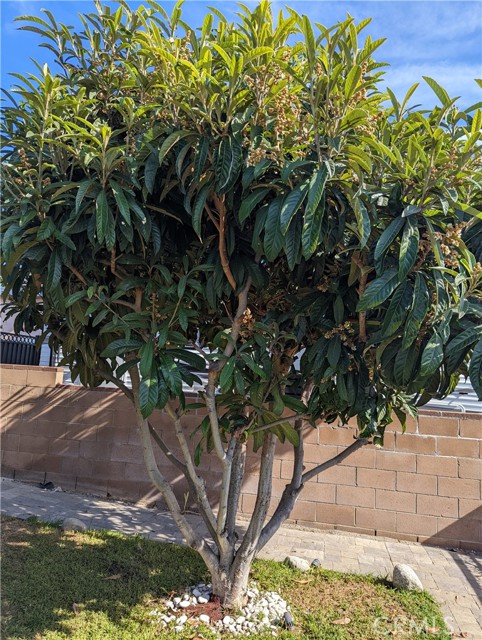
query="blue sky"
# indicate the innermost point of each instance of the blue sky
(441, 39)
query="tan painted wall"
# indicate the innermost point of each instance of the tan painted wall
(424, 485)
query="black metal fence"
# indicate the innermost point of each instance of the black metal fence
(18, 349)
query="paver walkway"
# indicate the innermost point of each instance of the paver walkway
(453, 578)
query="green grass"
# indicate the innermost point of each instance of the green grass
(102, 586)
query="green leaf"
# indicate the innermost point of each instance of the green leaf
(475, 370)
(439, 91)
(198, 209)
(226, 377)
(317, 187)
(363, 221)
(397, 310)
(65, 240)
(84, 188)
(410, 210)
(378, 290)
(228, 164)
(73, 298)
(292, 243)
(146, 354)
(408, 249)
(54, 271)
(352, 80)
(250, 202)
(334, 351)
(386, 239)
(193, 359)
(46, 229)
(310, 42)
(360, 157)
(150, 171)
(171, 140)
(239, 381)
(314, 212)
(200, 158)
(432, 356)
(420, 307)
(148, 395)
(273, 238)
(294, 404)
(458, 348)
(338, 309)
(170, 372)
(121, 201)
(181, 286)
(291, 434)
(121, 346)
(291, 203)
(251, 364)
(104, 221)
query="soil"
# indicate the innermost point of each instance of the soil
(213, 609)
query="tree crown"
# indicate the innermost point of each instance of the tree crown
(249, 185)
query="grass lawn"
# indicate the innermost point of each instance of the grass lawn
(102, 586)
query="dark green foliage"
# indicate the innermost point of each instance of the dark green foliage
(162, 169)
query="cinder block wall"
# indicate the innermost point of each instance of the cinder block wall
(425, 485)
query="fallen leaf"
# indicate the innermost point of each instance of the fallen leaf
(342, 621)
(114, 577)
(303, 581)
(432, 631)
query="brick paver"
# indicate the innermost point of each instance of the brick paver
(453, 578)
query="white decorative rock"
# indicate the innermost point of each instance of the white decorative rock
(202, 600)
(182, 619)
(404, 577)
(297, 563)
(227, 620)
(184, 604)
(74, 524)
(204, 618)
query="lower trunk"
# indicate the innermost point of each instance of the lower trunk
(231, 586)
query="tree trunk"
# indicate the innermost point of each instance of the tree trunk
(231, 586)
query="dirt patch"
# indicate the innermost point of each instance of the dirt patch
(213, 609)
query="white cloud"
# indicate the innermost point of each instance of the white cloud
(457, 79)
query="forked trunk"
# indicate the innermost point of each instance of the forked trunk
(231, 586)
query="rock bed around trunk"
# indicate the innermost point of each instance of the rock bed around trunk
(264, 611)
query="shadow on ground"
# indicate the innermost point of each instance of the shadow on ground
(50, 577)
(468, 527)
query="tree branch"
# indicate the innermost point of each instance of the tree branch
(237, 475)
(250, 541)
(292, 491)
(125, 303)
(192, 538)
(213, 374)
(270, 425)
(77, 274)
(221, 208)
(360, 260)
(336, 459)
(118, 383)
(211, 216)
(203, 503)
(190, 472)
